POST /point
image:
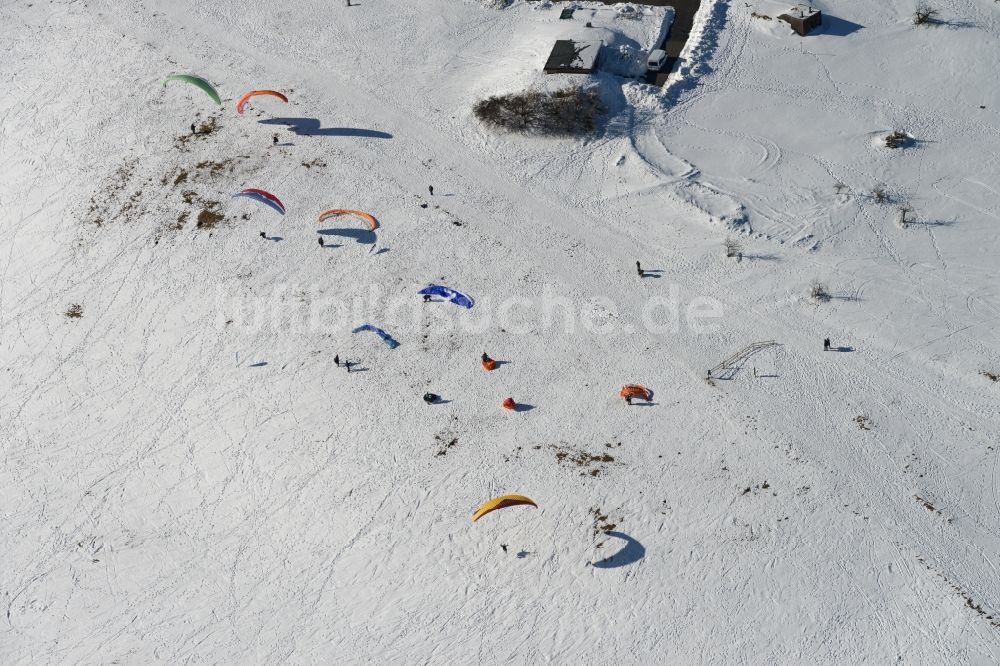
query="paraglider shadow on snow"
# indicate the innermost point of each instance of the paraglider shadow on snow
(362, 236)
(630, 554)
(522, 407)
(313, 127)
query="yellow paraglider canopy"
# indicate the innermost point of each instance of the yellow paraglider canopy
(501, 502)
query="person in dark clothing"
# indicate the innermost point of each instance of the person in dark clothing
(628, 399)
(320, 241)
(336, 360)
(826, 344)
(427, 298)
(431, 398)
(274, 140)
(348, 364)
(504, 546)
(430, 188)
(193, 129)
(638, 268)
(263, 235)
(486, 357)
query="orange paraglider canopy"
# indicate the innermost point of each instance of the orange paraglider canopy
(334, 212)
(253, 93)
(509, 404)
(636, 390)
(489, 364)
(502, 502)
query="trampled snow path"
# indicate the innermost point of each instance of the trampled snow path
(165, 501)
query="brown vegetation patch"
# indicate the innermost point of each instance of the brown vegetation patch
(601, 522)
(211, 216)
(592, 464)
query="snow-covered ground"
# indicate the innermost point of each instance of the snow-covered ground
(187, 477)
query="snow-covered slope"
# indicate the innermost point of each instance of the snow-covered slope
(188, 478)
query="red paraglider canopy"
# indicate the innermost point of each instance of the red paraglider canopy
(253, 93)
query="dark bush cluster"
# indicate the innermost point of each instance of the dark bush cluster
(559, 112)
(925, 15)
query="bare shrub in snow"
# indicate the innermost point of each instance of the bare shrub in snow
(992, 376)
(898, 139)
(560, 112)
(924, 15)
(733, 247)
(880, 194)
(818, 291)
(74, 311)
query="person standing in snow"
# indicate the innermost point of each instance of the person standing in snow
(826, 344)
(348, 364)
(193, 129)
(274, 140)
(628, 399)
(430, 188)
(638, 268)
(263, 235)
(336, 360)
(320, 241)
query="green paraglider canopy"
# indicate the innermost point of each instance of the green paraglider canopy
(197, 81)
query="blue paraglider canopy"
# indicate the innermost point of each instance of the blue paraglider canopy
(456, 297)
(388, 339)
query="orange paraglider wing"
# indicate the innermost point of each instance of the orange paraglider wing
(508, 403)
(502, 502)
(253, 93)
(372, 222)
(636, 390)
(489, 364)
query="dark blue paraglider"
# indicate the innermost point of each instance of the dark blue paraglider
(456, 297)
(388, 339)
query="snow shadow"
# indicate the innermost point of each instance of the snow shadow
(836, 27)
(630, 554)
(313, 127)
(523, 407)
(362, 236)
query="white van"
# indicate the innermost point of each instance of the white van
(656, 60)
